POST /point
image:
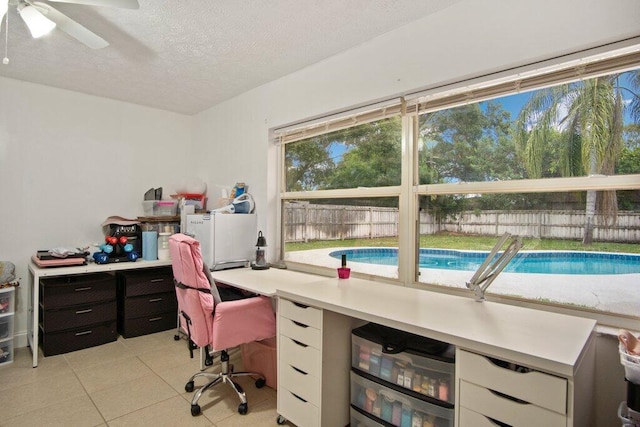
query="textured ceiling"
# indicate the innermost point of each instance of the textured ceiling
(188, 55)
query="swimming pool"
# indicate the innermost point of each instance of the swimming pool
(545, 262)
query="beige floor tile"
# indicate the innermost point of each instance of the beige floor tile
(21, 371)
(262, 414)
(145, 343)
(110, 374)
(130, 396)
(221, 401)
(99, 355)
(76, 412)
(163, 358)
(178, 376)
(42, 393)
(171, 412)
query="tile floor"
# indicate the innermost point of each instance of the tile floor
(131, 382)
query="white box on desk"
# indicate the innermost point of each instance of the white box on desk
(226, 240)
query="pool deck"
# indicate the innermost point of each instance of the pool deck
(618, 293)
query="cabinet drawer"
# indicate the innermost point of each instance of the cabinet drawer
(300, 332)
(535, 387)
(77, 316)
(295, 409)
(149, 304)
(301, 383)
(147, 281)
(469, 418)
(304, 314)
(507, 410)
(76, 339)
(304, 358)
(149, 324)
(66, 291)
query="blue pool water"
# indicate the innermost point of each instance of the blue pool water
(523, 262)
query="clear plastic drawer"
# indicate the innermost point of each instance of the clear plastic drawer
(396, 408)
(421, 374)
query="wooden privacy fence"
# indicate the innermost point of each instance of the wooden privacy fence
(304, 222)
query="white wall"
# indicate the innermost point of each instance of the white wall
(469, 39)
(68, 161)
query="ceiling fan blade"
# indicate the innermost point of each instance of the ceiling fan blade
(125, 4)
(71, 27)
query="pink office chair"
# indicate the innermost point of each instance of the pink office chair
(212, 323)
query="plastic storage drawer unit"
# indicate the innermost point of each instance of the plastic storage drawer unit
(396, 408)
(410, 361)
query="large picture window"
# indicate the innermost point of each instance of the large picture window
(422, 195)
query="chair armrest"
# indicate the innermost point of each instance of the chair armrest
(243, 321)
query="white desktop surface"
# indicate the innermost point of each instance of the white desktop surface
(549, 341)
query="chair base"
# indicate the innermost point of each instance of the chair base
(225, 376)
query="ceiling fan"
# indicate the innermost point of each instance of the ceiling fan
(41, 18)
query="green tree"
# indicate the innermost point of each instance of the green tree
(588, 115)
(308, 163)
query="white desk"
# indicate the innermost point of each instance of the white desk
(36, 273)
(552, 343)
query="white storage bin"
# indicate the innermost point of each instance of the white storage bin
(631, 365)
(396, 408)
(6, 352)
(6, 300)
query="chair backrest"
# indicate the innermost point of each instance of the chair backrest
(193, 289)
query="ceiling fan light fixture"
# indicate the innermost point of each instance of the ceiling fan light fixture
(38, 24)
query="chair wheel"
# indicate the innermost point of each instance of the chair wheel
(242, 409)
(195, 410)
(188, 387)
(176, 337)
(280, 420)
(260, 382)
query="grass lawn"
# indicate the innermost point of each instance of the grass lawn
(469, 242)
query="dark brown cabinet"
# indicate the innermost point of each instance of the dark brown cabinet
(77, 312)
(146, 301)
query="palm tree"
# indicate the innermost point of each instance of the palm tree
(582, 124)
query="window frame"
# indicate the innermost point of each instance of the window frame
(623, 55)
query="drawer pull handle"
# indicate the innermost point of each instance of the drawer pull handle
(88, 310)
(155, 319)
(157, 280)
(299, 370)
(83, 333)
(297, 304)
(511, 398)
(155, 299)
(299, 343)
(302, 325)
(298, 397)
(87, 288)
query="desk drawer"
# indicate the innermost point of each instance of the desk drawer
(76, 339)
(469, 418)
(147, 281)
(57, 292)
(541, 389)
(77, 316)
(295, 409)
(507, 410)
(304, 314)
(301, 383)
(304, 358)
(300, 332)
(149, 304)
(149, 324)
